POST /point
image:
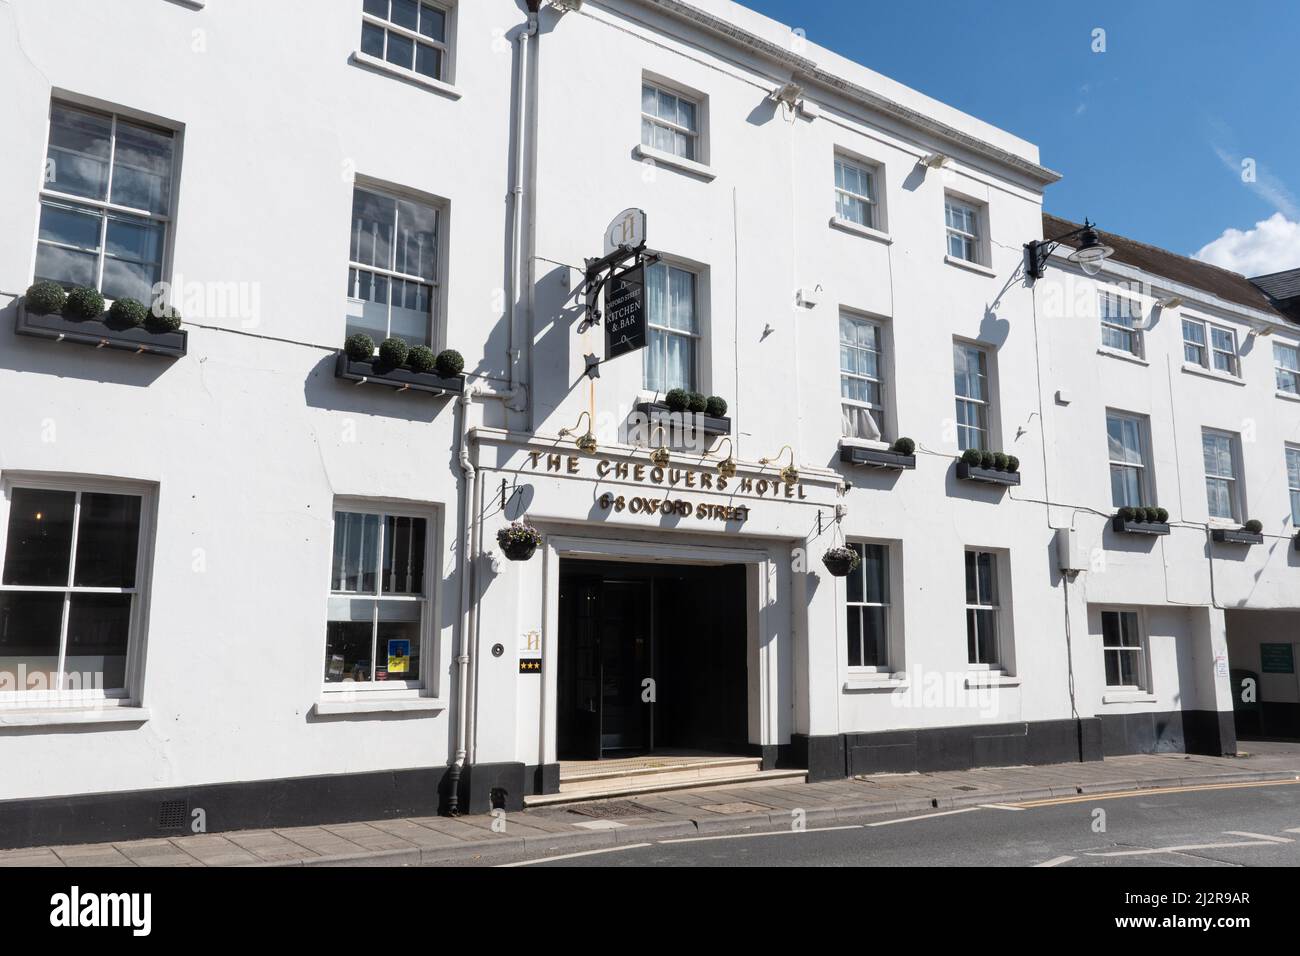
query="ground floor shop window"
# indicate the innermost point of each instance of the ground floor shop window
(69, 589)
(378, 603)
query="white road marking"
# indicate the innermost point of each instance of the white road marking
(764, 833)
(572, 856)
(928, 816)
(1292, 830)
(1258, 836)
(1184, 849)
(1055, 861)
(999, 806)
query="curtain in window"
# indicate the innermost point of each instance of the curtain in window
(670, 354)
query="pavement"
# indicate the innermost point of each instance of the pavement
(673, 815)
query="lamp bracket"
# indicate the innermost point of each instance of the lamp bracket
(1040, 250)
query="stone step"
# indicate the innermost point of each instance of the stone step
(713, 767)
(631, 787)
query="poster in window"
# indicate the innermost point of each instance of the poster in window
(399, 657)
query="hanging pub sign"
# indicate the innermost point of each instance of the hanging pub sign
(625, 313)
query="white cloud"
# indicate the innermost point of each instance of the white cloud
(1272, 246)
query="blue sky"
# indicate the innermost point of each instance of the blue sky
(1150, 134)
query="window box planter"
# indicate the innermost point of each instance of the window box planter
(990, 476)
(708, 424)
(398, 378)
(885, 458)
(1236, 536)
(99, 334)
(1133, 526)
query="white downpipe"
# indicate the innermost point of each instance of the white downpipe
(467, 604)
(515, 393)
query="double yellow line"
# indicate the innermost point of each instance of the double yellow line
(1123, 794)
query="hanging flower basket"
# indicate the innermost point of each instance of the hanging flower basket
(840, 561)
(519, 541)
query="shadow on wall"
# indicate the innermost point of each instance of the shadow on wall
(560, 308)
(22, 353)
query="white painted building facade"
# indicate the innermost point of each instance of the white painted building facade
(848, 237)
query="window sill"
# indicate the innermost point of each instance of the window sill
(1206, 373)
(1128, 697)
(990, 679)
(660, 158)
(848, 225)
(54, 715)
(878, 681)
(378, 705)
(1123, 356)
(383, 66)
(1289, 396)
(846, 442)
(970, 266)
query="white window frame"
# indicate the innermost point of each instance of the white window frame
(997, 662)
(1293, 483)
(425, 686)
(131, 693)
(696, 337)
(1108, 323)
(886, 665)
(105, 207)
(694, 137)
(1290, 374)
(974, 239)
(1141, 649)
(1233, 480)
(1145, 491)
(871, 199)
(984, 405)
(444, 47)
(877, 410)
(1208, 350)
(439, 209)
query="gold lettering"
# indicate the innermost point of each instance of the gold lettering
(674, 475)
(534, 455)
(620, 470)
(657, 475)
(690, 479)
(638, 472)
(789, 491)
(802, 496)
(573, 464)
(747, 485)
(602, 468)
(552, 462)
(706, 480)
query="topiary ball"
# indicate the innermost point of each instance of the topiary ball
(421, 359)
(393, 352)
(677, 399)
(1162, 515)
(972, 457)
(449, 363)
(45, 298)
(1150, 514)
(163, 318)
(128, 313)
(1127, 514)
(986, 459)
(715, 406)
(359, 347)
(1000, 461)
(905, 446)
(1013, 463)
(696, 402)
(1254, 526)
(83, 304)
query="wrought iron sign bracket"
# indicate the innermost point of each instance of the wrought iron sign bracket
(601, 271)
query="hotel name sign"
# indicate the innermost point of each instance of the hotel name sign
(669, 477)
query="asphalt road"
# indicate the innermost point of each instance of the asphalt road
(1221, 825)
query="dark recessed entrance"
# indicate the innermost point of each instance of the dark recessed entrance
(682, 627)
